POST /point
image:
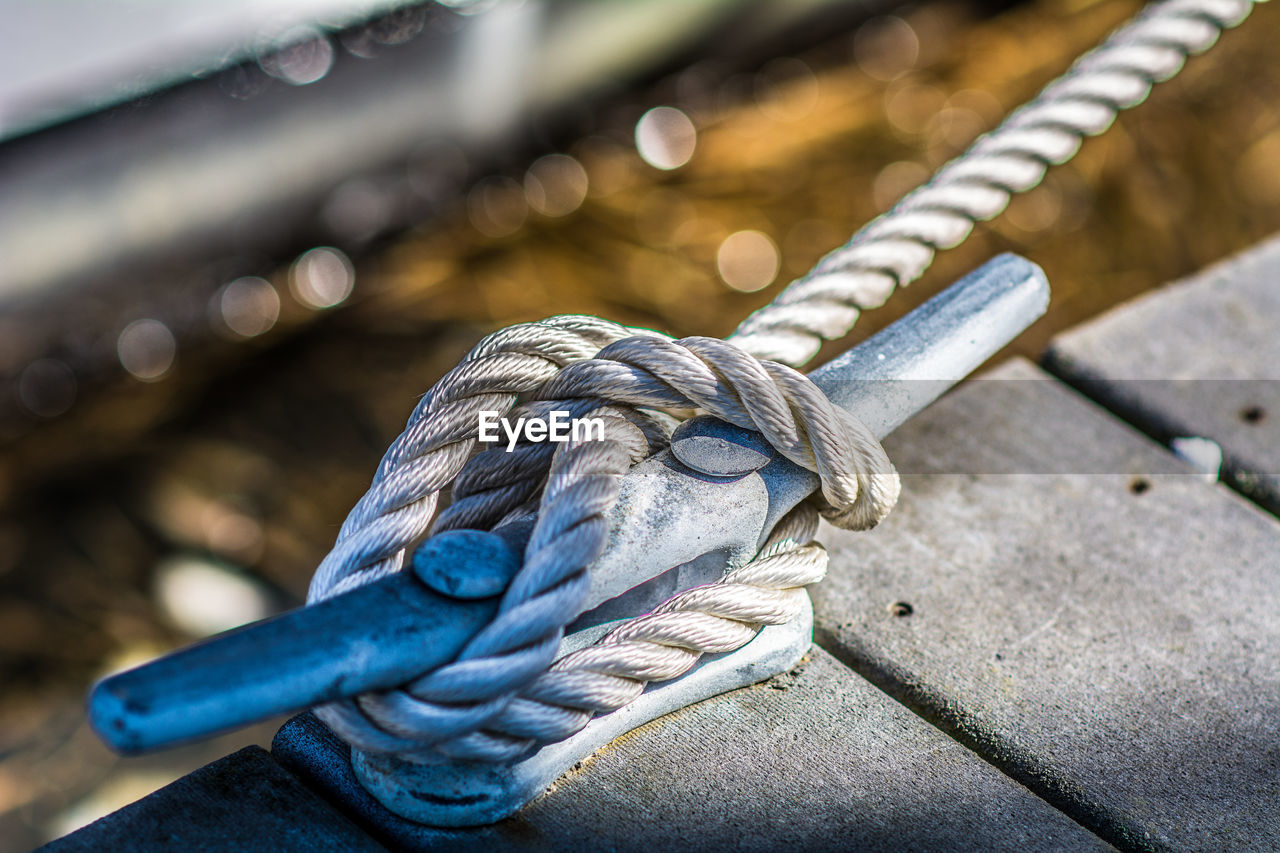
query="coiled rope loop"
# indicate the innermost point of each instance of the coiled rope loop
(502, 696)
(474, 708)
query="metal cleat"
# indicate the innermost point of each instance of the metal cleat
(682, 517)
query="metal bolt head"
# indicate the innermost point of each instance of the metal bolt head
(711, 446)
(467, 564)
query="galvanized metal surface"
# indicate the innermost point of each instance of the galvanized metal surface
(669, 515)
(299, 658)
(480, 793)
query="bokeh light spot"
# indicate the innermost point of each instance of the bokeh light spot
(909, 108)
(322, 278)
(357, 210)
(955, 128)
(497, 206)
(1256, 175)
(399, 26)
(609, 165)
(146, 349)
(248, 306)
(46, 388)
(665, 138)
(303, 56)
(786, 89)
(896, 180)
(1035, 211)
(555, 185)
(885, 48)
(203, 597)
(747, 260)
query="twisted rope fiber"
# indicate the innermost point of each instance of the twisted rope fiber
(448, 704)
(439, 437)
(897, 247)
(470, 708)
(442, 712)
(665, 643)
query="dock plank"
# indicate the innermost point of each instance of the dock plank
(816, 759)
(1200, 357)
(242, 802)
(1065, 596)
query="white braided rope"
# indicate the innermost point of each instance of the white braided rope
(439, 438)
(896, 248)
(667, 642)
(498, 699)
(470, 708)
(440, 711)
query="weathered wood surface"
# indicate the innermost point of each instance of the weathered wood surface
(242, 802)
(1200, 357)
(1064, 596)
(817, 759)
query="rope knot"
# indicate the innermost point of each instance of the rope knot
(503, 696)
(507, 693)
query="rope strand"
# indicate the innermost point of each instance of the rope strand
(504, 695)
(473, 708)
(896, 248)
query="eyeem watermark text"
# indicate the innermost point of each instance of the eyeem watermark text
(557, 427)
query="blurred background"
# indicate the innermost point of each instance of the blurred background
(239, 239)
